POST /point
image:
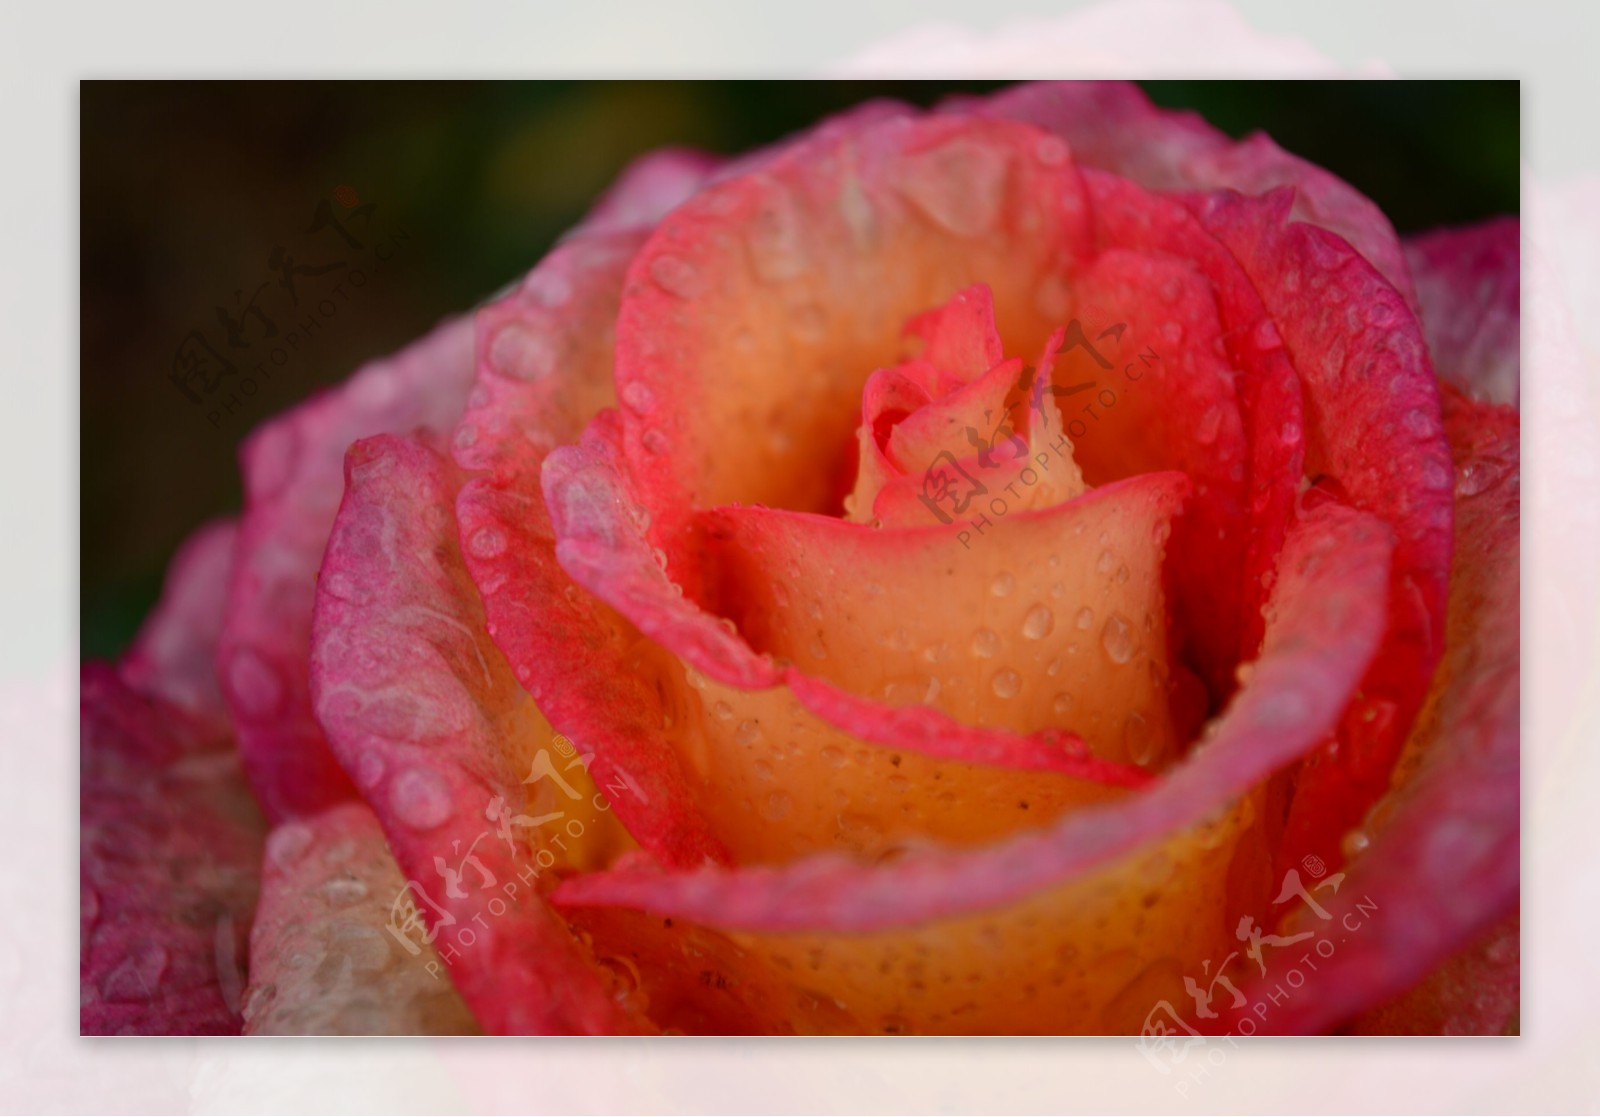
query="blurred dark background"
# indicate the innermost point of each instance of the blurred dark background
(189, 188)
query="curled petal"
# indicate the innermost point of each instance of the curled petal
(1374, 432)
(544, 361)
(1139, 889)
(1437, 861)
(423, 710)
(1469, 282)
(293, 479)
(321, 960)
(170, 856)
(1114, 127)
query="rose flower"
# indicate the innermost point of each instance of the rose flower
(1038, 566)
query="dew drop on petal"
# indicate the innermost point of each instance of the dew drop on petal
(519, 353)
(638, 397)
(1038, 623)
(1118, 638)
(487, 542)
(1006, 683)
(985, 643)
(1085, 619)
(420, 799)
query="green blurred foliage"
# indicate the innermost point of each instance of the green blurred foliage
(186, 188)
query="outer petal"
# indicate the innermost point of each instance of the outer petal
(1373, 427)
(1138, 889)
(174, 655)
(1476, 992)
(1440, 865)
(170, 855)
(649, 188)
(320, 960)
(421, 706)
(544, 362)
(1112, 125)
(1469, 281)
(293, 478)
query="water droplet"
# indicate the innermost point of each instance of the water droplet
(1122, 574)
(1062, 703)
(1266, 336)
(466, 436)
(519, 353)
(1137, 740)
(487, 542)
(1006, 683)
(548, 288)
(777, 240)
(1050, 151)
(1172, 332)
(341, 892)
(748, 733)
(959, 185)
(1481, 474)
(255, 685)
(1054, 667)
(722, 711)
(1105, 562)
(655, 442)
(936, 653)
(985, 643)
(288, 843)
(1003, 585)
(1085, 618)
(1355, 843)
(1038, 623)
(420, 799)
(835, 756)
(1210, 424)
(817, 649)
(676, 276)
(638, 397)
(1119, 639)
(763, 771)
(776, 807)
(369, 770)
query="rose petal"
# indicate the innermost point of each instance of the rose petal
(1477, 992)
(293, 478)
(1269, 403)
(1469, 282)
(171, 851)
(1047, 619)
(544, 362)
(174, 655)
(420, 705)
(1113, 126)
(811, 266)
(649, 188)
(1442, 865)
(1373, 427)
(321, 962)
(1088, 923)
